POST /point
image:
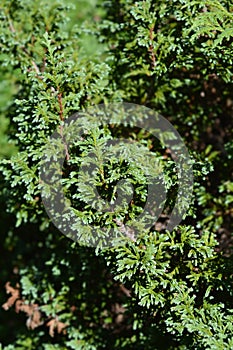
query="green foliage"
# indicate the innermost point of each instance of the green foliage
(160, 290)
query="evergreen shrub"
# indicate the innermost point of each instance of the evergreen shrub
(164, 289)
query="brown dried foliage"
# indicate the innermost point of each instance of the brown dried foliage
(34, 316)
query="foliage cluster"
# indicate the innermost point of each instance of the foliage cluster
(162, 290)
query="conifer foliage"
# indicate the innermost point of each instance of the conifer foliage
(162, 289)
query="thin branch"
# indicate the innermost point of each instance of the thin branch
(129, 232)
(12, 29)
(36, 67)
(151, 48)
(60, 106)
(61, 112)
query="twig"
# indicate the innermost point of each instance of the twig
(36, 68)
(129, 232)
(60, 106)
(151, 48)
(12, 29)
(61, 112)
